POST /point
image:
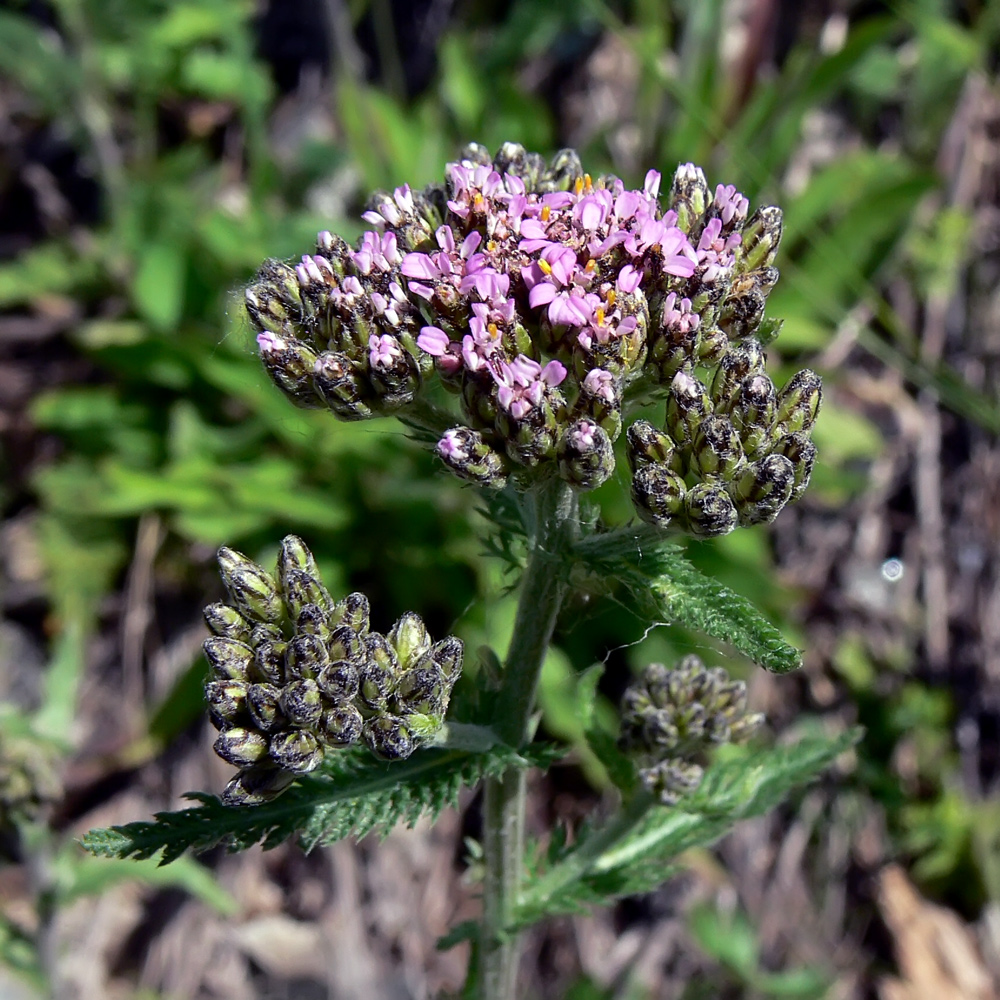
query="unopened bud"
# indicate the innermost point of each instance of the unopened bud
(229, 659)
(752, 412)
(689, 197)
(761, 236)
(264, 702)
(226, 622)
(717, 451)
(389, 737)
(409, 638)
(742, 361)
(709, 511)
(798, 402)
(255, 785)
(269, 661)
(352, 611)
(345, 644)
(240, 747)
(296, 751)
(302, 703)
(688, 405)
(763, 489)
(227, 702)
(274, 299)
(250, 586)
(305, 656)
(339, 681)
(299, 589)
(563, 172)
(658, 494)
(312, 619)
(342, 387)
(648, 446)
(671, 780)
(290, 363)
(341, 726)
(801, 452)
(447, 655)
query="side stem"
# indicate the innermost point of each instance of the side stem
(552, 510)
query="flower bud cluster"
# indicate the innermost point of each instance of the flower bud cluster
(297, 675)
(734, 449)
(542, 298)
(672, 718)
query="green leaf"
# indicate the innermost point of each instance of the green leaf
(355, 796)
(641, 859)
(158, 288)
(667, 586)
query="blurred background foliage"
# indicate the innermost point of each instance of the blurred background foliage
(154, 153)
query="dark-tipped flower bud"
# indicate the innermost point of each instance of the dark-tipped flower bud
(467, 454)
(422, 691)
(255, 785)
(339, 681)
(448, 654)
(227, 701)
(687, 407)
(250, 586)
(752, 412)
(229, 659)
(226, 622)
(801, 452)
(345, 644)
(353, 611)
(389, 737)
(274, 300)
(658, 494)
(294, 556)
(302, 703)
(709, 511)
(264, 703)
(290, 364)
(296, 751)
(761, 236)
(671, 780)
(798, 402)
(742, 361)
(305, 656)
(689, 197)
(313, 620)
(648, 446)
(341, 726)
(585, 456)
(240, 747)
(342, 387)
(763, 489)
(269, 661)
(717, 451)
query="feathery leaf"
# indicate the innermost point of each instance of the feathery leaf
(641, 859)
(353, 796)
(667, 585)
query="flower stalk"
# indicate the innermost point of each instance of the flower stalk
(551, 514)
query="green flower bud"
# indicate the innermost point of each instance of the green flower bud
(658, 494)
(226, 622)
(687, 407)
(250, 586)
(447, 654)
(274, 300)
(290, 363)
(305, 656)
(743, 308)
(513, 158)
(264, 703)
(352, 611)
(229, 659)
(342, 387)
(671, 780)
(798, 402)
(585, 456)
(255, 785)
(673, 350)
(227, 701)
(269, 661)
(339, 681)
(422, 691)
(296, 751)
(409, 638)
(709, 511)
(299, 589)
(752, 412)
(394, 374)
(713, 343)
(717, 451)
(761, 236)
(375, 684)
(763, 489)
(389, 737)
(313, 620)
(240, 747)
(689, 197)
(801, 452)
(742, 361)
(294, 556)
(382, 654)
(345, 644)
(563, 172)
(302, 703)
(341, 726)
(648, 446)
(265, 633)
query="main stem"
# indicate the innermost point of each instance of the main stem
(551, 515)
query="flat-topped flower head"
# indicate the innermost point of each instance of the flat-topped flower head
(539, 296)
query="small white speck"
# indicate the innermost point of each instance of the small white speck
(892, 570)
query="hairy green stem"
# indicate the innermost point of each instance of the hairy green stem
(551, 511)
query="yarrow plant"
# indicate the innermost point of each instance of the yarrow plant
(517, 317)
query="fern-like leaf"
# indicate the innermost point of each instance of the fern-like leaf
(666, 585)
(354, 796)
(643, 857)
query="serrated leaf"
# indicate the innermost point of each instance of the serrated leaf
(642, 859)
(667, 586)
(356, 795)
